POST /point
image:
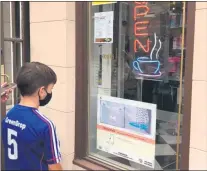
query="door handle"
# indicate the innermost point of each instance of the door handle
(5, 76)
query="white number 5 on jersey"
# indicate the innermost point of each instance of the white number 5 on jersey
(12, 144)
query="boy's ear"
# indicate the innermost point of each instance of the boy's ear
(41, 90)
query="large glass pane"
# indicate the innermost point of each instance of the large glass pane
(12, 13)
(7, 19)
(136, 73)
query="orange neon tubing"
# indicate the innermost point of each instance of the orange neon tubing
(141, 45)
(138, 28)
(140, 14)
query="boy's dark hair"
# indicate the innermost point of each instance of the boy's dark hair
(34, 75)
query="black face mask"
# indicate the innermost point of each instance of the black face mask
(46, 100)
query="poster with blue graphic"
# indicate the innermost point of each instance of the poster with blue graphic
(126, 128)
(125, 115)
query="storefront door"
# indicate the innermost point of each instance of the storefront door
(14, 45)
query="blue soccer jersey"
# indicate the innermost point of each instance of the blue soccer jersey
(29, 139)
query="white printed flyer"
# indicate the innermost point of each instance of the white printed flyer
(127, 129)
(103, 27)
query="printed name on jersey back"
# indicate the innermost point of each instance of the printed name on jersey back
(15, 123)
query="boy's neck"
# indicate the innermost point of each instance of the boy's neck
(29, 102)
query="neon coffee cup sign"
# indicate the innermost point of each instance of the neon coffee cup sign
(147, 66)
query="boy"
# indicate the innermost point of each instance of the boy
(29, 137)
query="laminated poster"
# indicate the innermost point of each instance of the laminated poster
(103, 27)
(127, 129)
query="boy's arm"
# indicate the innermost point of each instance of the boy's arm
(52, 148)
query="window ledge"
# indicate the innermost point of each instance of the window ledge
(90, 164)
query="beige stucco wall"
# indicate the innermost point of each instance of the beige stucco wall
(198, 136)
(52, 36)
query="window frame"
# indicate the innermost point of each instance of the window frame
(81, 95)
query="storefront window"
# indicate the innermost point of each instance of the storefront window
(136, 61)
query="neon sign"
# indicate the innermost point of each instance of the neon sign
(145, 66)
